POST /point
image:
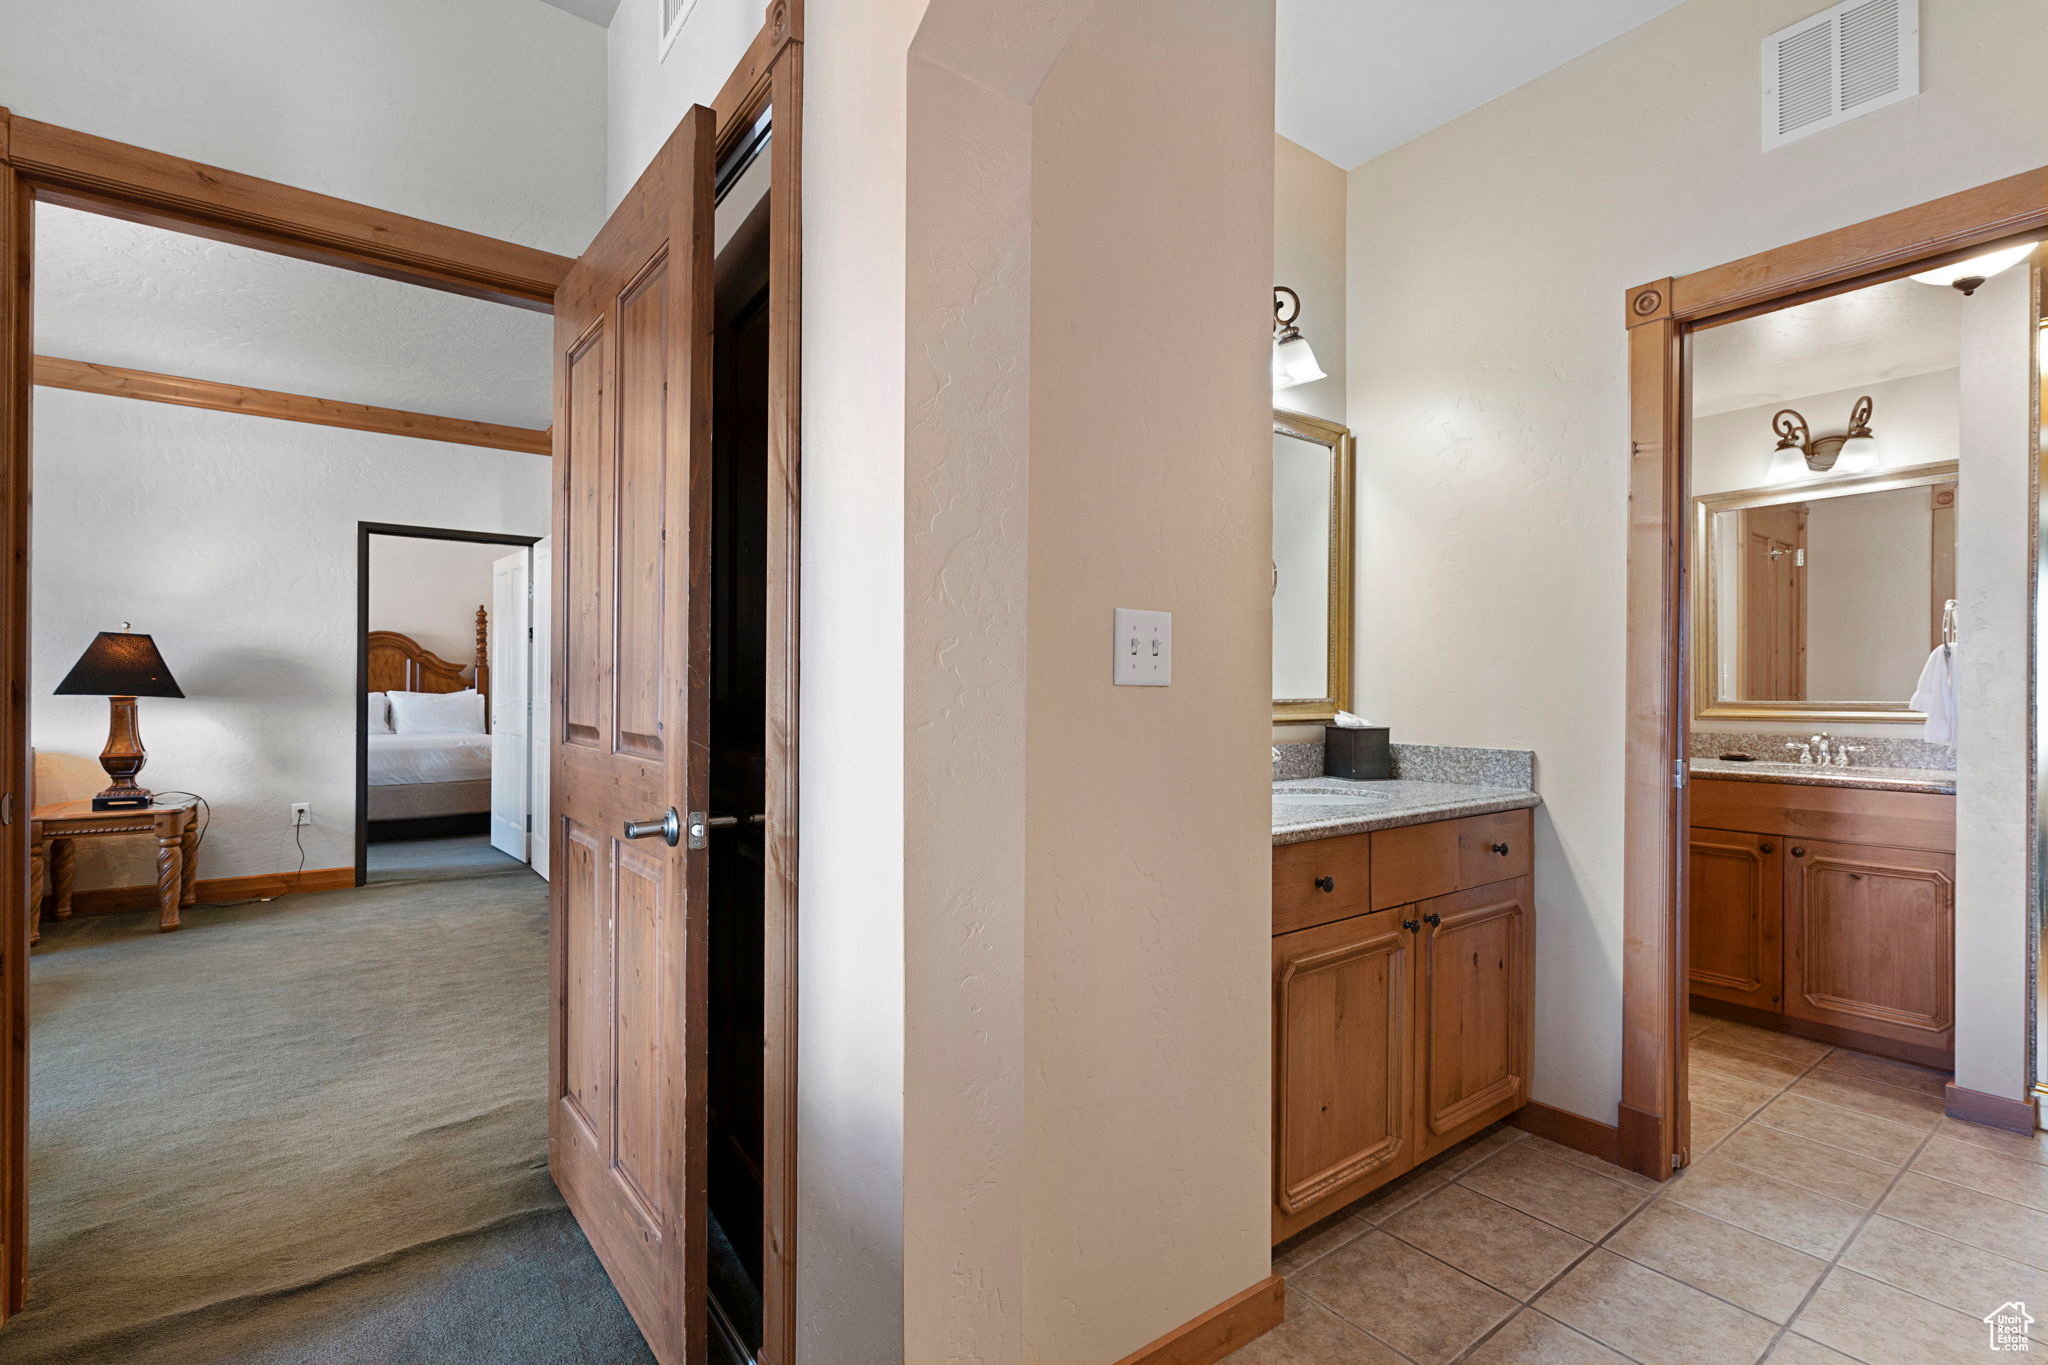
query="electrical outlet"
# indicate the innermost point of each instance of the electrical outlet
(1144, 648)
(302, 813)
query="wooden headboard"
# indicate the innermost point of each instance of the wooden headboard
(399, 663)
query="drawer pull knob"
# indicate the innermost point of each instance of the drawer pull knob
(1501, 849)
(1765, 848)
(1411, 925)
(1326, 884)
(1432, 920)
(1798, 852)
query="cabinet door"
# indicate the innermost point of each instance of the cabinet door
(1343, 1011)
(1737, 912)
(1870, 940)
(1475, 1016)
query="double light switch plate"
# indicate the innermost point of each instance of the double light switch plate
(1144, 648)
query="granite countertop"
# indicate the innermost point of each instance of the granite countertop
(1814, 775)
(1357, 807)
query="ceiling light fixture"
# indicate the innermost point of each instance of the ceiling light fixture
(1821, 452)
(1966, 276)
(1293, 362)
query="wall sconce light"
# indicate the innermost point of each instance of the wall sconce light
(1293, 362)
(1821, 452)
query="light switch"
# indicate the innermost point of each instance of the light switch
(1144, 648)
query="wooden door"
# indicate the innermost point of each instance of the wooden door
(1773, 651)
(1473, 1025)
(1736, 898)
(626, 1125)
(1343, 1014)
(1870, 942)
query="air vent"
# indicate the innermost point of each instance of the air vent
(1838, 65)
(671, 13)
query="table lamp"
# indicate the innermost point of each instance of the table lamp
(121, 667)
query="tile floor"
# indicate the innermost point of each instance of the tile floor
(1832, 1214)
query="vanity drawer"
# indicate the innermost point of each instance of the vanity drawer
(1416, 862)
(1320, 881)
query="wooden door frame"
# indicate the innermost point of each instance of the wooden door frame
(1659, 316)
(397, 530)
(41, 162)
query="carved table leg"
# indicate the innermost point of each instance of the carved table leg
(63, 873)
(36, 854)
(170, 869)
(189, 848)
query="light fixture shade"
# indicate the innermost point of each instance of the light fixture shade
(118, 664)
(1980, 267)
(1294, 364)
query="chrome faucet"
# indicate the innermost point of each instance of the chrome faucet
(1821, 755)
(1842, 752)
(1805, 751)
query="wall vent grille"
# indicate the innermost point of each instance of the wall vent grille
(1838, 65)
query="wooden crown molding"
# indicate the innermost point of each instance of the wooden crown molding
(79, 170)
(746, 91)
(86, 377)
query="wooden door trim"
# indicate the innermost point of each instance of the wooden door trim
(53, 372)
(17, 255)
(1658, 315)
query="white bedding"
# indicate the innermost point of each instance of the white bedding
(399, 759)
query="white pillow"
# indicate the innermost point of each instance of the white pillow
(377, 710)
(443, 713)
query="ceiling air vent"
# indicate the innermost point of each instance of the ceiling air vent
(1838, 65)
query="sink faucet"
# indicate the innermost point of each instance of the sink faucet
(1820, 748)
(1842, 752)
(1805, 750)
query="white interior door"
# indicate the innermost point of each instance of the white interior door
(541, 747)
(511, 738)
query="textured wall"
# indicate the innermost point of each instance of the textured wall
(1487, 264)
(646, 95)
(481, 114)
(232, 540)
(430, 589)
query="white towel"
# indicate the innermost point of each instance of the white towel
(1935, 695)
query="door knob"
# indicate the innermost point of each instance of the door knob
(1326, 883)
(669, 827)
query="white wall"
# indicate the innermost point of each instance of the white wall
(481, 114)
(1869, 575)
(1487, 264)
(1308, 257)
(646, 96)
(232, 540)
(1915, 423)
(430, 589)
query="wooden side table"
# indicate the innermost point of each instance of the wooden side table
(53, 857)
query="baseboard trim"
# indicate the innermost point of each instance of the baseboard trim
(1993, 1111)
(1567, 1129)
(108, 900)
(1240, 1319)
(1639, 1142)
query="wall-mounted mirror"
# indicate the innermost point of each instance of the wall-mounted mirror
(1820, 600)
(1312, 489)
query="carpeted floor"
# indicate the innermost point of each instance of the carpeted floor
(310, 1131)
(411, 860)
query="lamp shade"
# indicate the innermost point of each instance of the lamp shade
(118, 664)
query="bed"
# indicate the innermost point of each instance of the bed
(428, 774)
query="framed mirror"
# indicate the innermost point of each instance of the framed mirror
(1312, 490)
(1820, 600)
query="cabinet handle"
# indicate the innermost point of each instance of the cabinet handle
(1432, 920)
(1412, 925)
(1501, 849)
(1765, 848)
(1326, 884)
(1798, 852)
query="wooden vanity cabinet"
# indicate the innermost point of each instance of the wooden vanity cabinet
(1737, 887)
(1870, 941)
(1401, 1030)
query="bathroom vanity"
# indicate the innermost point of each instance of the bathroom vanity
(1403, 946)
(1822, 902)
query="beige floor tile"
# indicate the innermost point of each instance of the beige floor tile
(1297, 1253)
(1313, 1335)
(1886, 1102)
(1561, 1194)
(1862, 1066)
(1834, 1126)
(1788, 1045)
(1594, 1164)
(1962, 1277)
(2027, 1146)
(1728, 1094)
(1880, 1325)
(1709, 1126)
(1986, 1171)
(1508, 1249)
(1752, 1272)
(1390, 1198)
(1697, 1024)
(1653, 1317)
(2003, 1228)
(1529, 1338)
(1729, 1056)
(1764, 1204)
(1794, 1349)
(1419, 1306)
(1472, 1151)
(1831, 1171)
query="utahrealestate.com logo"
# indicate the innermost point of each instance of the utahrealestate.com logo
(2008, 1325)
